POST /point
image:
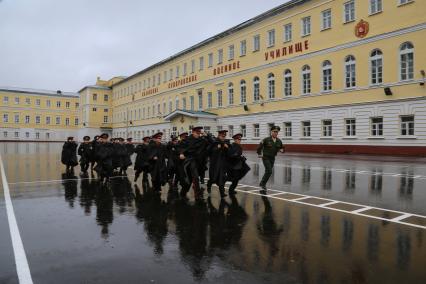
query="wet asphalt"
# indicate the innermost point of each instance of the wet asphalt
(75, 231)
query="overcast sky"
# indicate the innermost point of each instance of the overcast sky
(65, 45)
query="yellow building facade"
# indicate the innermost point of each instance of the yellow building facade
(335, 75)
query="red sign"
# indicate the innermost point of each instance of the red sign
(287, 50)
(362, 28)
(226, 68)
(149, 92)
(182, 81)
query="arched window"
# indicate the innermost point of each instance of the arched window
(271, 86)
(256, 90)
(376, 63)
(350, 74)
(177, 103)
(326, 76)
(230, 94)
(287, 83)
(170, 106)
(306, 79)
(406, 57)
(243, 90)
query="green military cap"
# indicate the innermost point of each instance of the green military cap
(275, 128)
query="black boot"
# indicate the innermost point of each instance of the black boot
(222, 192)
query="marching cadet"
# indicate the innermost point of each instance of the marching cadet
(69, 155)
(193, 152)
(237, 166)
(104, 152)
(85, 153)
(267, 150)
(130, 148)
(118, 151)
(157, 160)
(172, 159)
(141, 161)
(218, 150)
(180, 173)
(123, 156)
(94, 143)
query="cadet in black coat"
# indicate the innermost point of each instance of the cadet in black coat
(180, 173)
(69, 154)
(94, 143)
(237, 166)
(122, 156)
(85, 153)
(104, 152)
(141, 161)
(218, 150)
(172, 160)
(157, 159)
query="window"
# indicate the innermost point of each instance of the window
(158, 79)
(287, 83)
(219, 98)
(170, 108)
(38, 102)
(38, 119)
(209, 100)
(5, 134)
(256, 43)
(94, 109)
(349, 11)
(306, 80)
(350, 73)
(326, 19)
(231, 130)
(95, 97)
(5, 100)
(287, 129)
(256, 130)
(377, 126)
(47, 135)
(375, 6)
(27, 135)
(184, 103)
(402, 2)
(406, 54)
(243, 48)
(287, 32)
(350, 124)
(164, 79)
(77, 105)
(105, 119)
(327, 128)
(191, 102)
(210, 59)
(192, 65)
(243, 130)
(176, 103)
(76, 121)
(200, 100)
(230, 94)
(407, 125)
(27, 101)
(326, 76)
(105, 110)
(220, 56)
(201, 63)
(271, 38)
(231, 52)
(67, 104)
(306, 128)
(48, 103)
(177, 71)
(256, 89)
(27, 119)
(58, 120)
(306, 26)
(376, 61)
(58, 104)
(16, 118)
(47, 119)
(16, 134)
(271, 86)
(106, 96)
(37, 135)
(185, 69)
(243, 90)
(67, 121)
(5, 118)
(16, 100)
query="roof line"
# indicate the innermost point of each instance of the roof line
(245, 24)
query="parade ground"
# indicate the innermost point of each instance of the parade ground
(323, 219)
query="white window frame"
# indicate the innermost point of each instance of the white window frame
(256, 130)
(306, 128)
(219, 98)
(231, 52)
(403, 2)
(407, 126)
(406, 49)
(327, 128)
(185, 69)
(350, 72)
(243, 130)
(349, 13)
(288, 32)
(271, 38)
(210, 59)
(27, 119)
(5, 118)
(256, 89)
(201, 63)
(271, 86)
(256, 43)
(192, 65)
(209, 100)
(327, 76)
(326, 19)
(220, 56)
(200, 99)
(306, 80)
(230, 94)
(288, 83)
(375, 7)
(376, 67)
(243, 48)
(288, 129)
(305, 26)
(243, 92)
(376, 128)
(350, 127)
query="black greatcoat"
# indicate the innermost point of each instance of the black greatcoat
(238, 167)
(118, 152)
(141, 161)
(104, 152)
(85, 153)
(130, 148)
(158, 166)
(218, 161)
(195, 150)
(69, 154)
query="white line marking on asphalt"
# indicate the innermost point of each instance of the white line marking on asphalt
(362, 209)
(22, 268)
(404, 216)
(328, 203)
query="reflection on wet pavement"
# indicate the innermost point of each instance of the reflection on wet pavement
(140, 236)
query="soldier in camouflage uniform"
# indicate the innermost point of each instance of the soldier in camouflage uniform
(267, 150)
